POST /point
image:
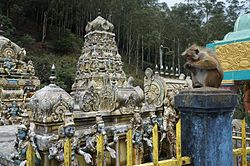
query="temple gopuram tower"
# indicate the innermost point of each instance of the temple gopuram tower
(100, 78)
(100, 60)
(17, 78)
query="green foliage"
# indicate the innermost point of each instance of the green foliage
(6, 26)
(239, 112)
(68, 43)
(60, 25)
(26, 41)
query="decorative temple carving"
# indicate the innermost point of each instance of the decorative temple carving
(238, 57)
(67, 141)
(27, 152)
(100, 82)
(17, 78)
(49, 104)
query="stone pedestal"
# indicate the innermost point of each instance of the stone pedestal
(206, 125)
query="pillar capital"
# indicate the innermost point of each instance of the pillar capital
(206, 100)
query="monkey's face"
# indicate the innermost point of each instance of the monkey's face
(191, 53)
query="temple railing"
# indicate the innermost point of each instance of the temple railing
(244, 150)
(179, 159)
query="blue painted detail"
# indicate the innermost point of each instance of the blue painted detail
(223, 42)
(237, 75)
(206, 125)
(12, 81)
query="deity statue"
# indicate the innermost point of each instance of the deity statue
(169, 122)
(66, 136)
(91, 141)
(30, 68)
(148, 132)
(137, 136)
(25, 145)
(8, 66)
(14, 112)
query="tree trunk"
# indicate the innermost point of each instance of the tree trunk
(44, 26)
(142, 53)
(137, 54)
(130, 43)
(8, 8)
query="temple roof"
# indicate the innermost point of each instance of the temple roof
(9, 49)
(241, 28)
(99, 24)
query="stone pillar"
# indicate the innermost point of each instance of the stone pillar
(206, 125)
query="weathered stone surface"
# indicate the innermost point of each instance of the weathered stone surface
(7, 139)
(206, 125)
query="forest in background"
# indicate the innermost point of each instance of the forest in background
(52, 31)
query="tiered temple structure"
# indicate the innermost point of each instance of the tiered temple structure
(17, 79)
(100, 83)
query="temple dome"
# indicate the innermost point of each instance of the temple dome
(242, 22)
(99, 24)
(241, 29)
(50, 103)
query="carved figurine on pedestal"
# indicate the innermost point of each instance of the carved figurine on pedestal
(91, 142)
(169, 122)
(148, 133)
(67, 142)
(8, 66)
(137, 137)
(30, 68)
(25, 145)
(14, 112)
(89, 100)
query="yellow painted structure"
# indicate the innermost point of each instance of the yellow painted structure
(155, 145)
(171, 162)
(129, 148)
(179, 161)
(67, 152)
(234, 56)
(29, 156)
(100, 150)
(243, 151)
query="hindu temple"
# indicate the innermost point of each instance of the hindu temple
(71, 129)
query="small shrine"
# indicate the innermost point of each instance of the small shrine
(17, 80)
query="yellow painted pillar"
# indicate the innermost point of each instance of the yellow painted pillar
(244, 150)
(155, 145)
(100, 150)
(67, 152)
(129, 148)
(178, 143)
(29, 156)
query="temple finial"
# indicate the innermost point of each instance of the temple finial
(53, 75)
(99, 12)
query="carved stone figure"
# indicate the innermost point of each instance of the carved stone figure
(204, 66)
(99, 128)
(9, 66)
(169, 122)
(148, 133)
(89, 101)
(25, 140)
(13, 113)
(153, 88)
(67, 131)
(30, 68)
(137, 138)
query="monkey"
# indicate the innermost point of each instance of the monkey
(204, 66)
